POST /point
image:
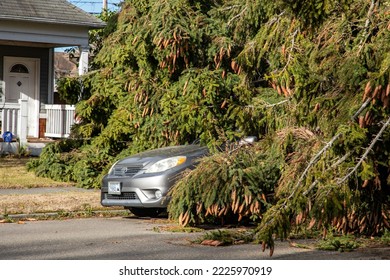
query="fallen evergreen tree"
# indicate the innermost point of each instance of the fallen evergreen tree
(180, 70)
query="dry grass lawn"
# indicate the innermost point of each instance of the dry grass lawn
(14, 175)
(50, 202)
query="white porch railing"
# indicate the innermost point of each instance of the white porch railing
(59, 120)
(10, 115)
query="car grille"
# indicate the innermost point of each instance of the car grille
(123, 196)
(126, 171)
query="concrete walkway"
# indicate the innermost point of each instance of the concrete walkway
(43, 190)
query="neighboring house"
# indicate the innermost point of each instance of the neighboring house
(64, 66)
(29, 32)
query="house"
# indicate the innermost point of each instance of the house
(64, 66)
(30, 30)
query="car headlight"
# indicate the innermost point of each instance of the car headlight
(166, 164)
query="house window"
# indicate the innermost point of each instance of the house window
(19, 68)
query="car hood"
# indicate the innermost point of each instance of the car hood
(152, 156)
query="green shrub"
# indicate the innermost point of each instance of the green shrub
(57, 160)
(228, 237)
(385, 238)
(338, 243)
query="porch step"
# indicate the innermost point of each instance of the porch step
(39, 140)
(2, 140)
(35, 149)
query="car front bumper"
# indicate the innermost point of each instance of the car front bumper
(138, 191)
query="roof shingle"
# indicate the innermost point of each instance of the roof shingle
(47, 11)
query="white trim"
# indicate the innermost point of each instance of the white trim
(23, 121)
(53, 34)
(83, 61)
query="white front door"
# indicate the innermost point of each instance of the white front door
(21, 77)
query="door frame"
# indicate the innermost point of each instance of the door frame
(8, 62)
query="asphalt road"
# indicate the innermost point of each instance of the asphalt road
(134, 239)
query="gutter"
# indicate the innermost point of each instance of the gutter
(96, 24)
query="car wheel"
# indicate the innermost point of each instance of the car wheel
(146, 212)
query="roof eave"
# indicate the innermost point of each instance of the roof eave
(55, 21)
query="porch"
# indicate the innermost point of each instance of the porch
(55, 121)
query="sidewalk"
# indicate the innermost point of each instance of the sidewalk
(44, 190)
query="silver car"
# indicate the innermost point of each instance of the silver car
(141, 182)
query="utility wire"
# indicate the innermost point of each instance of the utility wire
(95, 5)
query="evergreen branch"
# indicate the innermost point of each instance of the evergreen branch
(364, 105)
(269, 105)
(275, 19)
(231, 7)
(368, 150)
(341, 160)
(284, 206)
(312, 162)
(276, 104)
(291, 49)
(236, 16)
(366, 33)
(323, 150)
